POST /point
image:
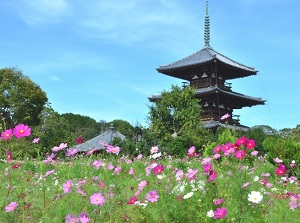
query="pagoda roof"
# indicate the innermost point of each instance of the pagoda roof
(104, 138)
(213, 124)
(244, 100)
(203, 57)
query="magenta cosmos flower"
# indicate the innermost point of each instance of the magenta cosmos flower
(7, 134)
(152, 196)
(9, 156)
(97, 199)
(212, 175)
(158, 169)
(21, 131)
(281, 170)
(250, 144)
(11, 207)
(220, 213)
(132, 200)
(240, 154)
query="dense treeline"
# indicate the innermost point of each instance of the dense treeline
(174, 124)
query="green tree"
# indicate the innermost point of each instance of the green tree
(53, 130)
(81, 125)
(21, 100)
(175, 112)
(123, 127)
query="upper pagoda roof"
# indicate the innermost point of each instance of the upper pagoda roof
(190, 64)
(200, 61)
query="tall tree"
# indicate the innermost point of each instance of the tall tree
(176, 112)
(21, 100)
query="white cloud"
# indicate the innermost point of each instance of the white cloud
(43, 11)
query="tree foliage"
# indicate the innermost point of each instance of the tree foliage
(176, 112)
(81, 125)
(21, 100)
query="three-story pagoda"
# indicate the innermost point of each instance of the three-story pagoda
(208, 72)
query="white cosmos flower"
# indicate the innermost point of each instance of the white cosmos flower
(256, 178)
(255, 197)
(210, 214)
(188, 195)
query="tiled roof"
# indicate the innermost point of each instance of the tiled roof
(215, 88)
(213, 124)
(205, 55)
(211, 89)
(105, 137)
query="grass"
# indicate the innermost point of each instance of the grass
(37, 188)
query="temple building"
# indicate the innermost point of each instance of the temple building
(208, 71)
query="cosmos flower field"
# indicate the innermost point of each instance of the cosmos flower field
(233, 184)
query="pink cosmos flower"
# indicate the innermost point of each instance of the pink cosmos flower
(149, 168)
(191, 151)
(293, 202)
(49, 158)
(240, 154)
(225, 116)
(67, 186)
(250, 144)
(7, 134)
(60, 147)
(131, 171)
(254, 153)
(281, 170)
(216, 156)
(277, 160)
(142, 184)
(21, 131)
(48, 173)
(110, 166)
(220, 213)
(245, 184)
(112, 149)
(152, 196)
(97, 164)
(83, 217)
(132, 200)
(154, 149)
(9, 156)
(71, 152)
(192, 174)
(140, 156)
(11, 207)
(206, 160)
(97, 199)
(71, 219)
(36, 140)
(218, 201)
(118, 170)
(158, 169)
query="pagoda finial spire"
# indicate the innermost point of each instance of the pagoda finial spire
(206, 27)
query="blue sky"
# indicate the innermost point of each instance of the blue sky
(98, 57)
